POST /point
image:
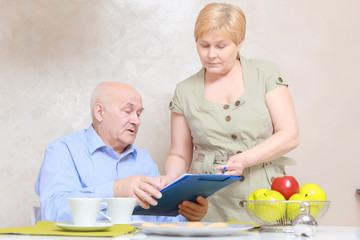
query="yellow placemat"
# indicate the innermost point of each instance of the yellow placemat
(49, 228)
(234, 221)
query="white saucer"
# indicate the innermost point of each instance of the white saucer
(193, 232)
(77, 228)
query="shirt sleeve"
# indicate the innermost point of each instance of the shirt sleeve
(59, 180)
(147, 218)
(273, 78)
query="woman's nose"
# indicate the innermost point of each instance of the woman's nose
(212, 52)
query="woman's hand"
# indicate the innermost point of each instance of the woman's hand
(194, 212)
(235, 165)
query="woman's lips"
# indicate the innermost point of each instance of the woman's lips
(212, 64)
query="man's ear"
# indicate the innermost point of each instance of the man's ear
(98, 111)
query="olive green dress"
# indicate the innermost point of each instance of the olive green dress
(221, 130)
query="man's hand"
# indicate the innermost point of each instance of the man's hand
(194, 212)
(144, 188)
(164, 180)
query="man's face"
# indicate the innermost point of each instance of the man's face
(121, 119)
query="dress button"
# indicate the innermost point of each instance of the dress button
(238, 152)
(226, 106)
(228, 118)
(242, 179)
(280, 79)
(233, 136)
(237, 103)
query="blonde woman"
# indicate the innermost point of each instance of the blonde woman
(235, 113)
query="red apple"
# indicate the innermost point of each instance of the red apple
(286, 185)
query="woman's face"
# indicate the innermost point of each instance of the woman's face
(217, 52)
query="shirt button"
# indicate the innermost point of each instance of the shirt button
(228, 118)
(280, 79)
(238, 152)
(237, 103)
(242, 179)
(226, 106)
(233, 136)
(170, 104)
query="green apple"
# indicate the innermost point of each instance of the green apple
(253, 197)
(313, 192)
(267, 211)
(307, 192)
(257, 193)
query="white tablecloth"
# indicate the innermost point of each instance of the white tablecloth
(323, 233)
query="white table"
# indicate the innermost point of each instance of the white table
(323, 233)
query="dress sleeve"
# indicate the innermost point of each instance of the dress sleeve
(175, 104)
(274, 78)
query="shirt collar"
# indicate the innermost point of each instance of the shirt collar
(95, 142)
(131, 149)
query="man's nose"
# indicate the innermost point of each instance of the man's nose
(135, 119)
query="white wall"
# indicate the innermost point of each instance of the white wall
(53, 52)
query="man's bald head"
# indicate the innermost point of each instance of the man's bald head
(105, 92)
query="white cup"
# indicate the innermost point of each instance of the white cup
(84, 210)
(119, 209)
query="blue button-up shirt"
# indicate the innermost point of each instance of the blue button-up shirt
(81, 165)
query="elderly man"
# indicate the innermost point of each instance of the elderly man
(102, 161)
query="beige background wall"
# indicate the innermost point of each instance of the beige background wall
(53, 52)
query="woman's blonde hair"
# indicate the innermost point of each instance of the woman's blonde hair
(221, 17)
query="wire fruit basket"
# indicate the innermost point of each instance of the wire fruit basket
(278, 215)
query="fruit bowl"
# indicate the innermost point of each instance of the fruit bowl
(278, 215)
